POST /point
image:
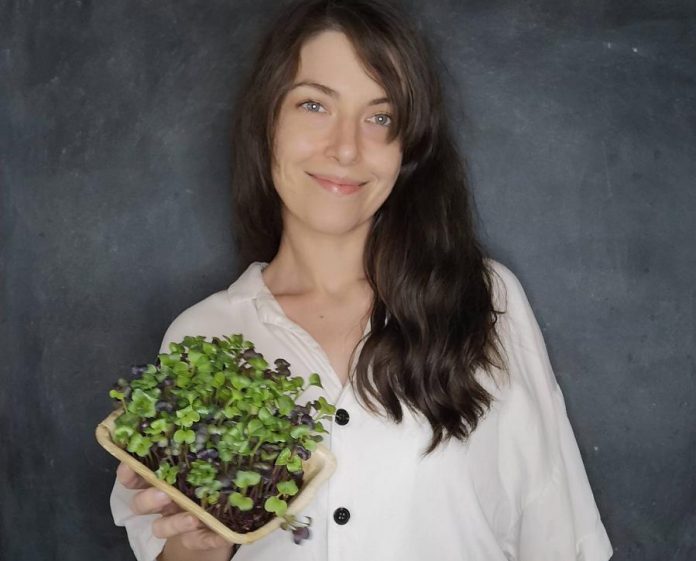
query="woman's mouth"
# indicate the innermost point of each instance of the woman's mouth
(339, 188)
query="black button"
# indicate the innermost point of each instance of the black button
(342, 417)
(341, 515)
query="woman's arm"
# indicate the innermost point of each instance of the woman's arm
(175, 550)
(187, 539)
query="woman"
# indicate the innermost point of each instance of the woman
(360, 263)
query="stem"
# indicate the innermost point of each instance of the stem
(184, 451)
(256, 448)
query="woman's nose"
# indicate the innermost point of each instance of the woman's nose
(344, 144)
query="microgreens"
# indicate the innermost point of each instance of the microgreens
(215, 421)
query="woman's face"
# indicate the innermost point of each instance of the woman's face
(336, 129)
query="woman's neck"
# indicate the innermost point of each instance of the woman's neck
(322, 265)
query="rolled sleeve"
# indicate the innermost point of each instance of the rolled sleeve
(144, 544)
(562, 523)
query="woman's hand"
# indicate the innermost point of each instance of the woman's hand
(186, 529)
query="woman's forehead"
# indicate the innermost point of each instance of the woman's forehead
(328, 63)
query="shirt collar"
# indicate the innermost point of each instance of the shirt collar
(249, 285)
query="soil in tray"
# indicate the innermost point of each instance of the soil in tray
(236, 520)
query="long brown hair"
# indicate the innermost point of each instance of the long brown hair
(432, 319)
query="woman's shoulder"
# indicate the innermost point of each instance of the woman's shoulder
(517, 324)
(506, 289)
(220, 311)
(520, 338)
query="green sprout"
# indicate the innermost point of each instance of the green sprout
(167, 472)
(214, 419)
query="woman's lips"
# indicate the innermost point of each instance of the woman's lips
(336, 187)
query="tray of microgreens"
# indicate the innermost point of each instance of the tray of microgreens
(221, 432)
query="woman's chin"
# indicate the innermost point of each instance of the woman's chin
(328, 226)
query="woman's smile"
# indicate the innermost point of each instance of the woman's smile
(344, 187)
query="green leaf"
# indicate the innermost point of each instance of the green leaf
(254, 427)
(219, 379)
(241, 502)
(202, 474)
(184, 435)
(187, 416)
(183, 381)
(283, 457)
(315, 380)
(128, 420)
(265, 415)
(297, 382)
(160, 426)
(258, 363)
(142, 404)
(299, 431)
(196, 356)
(181, 368)
(239, 381)
(275, 505)
(139, 445)
(268, 456)
(294, 464)
(204, 367)
(324, 406)
(167, 472)
(211, 496)
(245, 479)
(231, 411)
(285, 404)
(287, 487)
(123, 434)
(164, 358)
(244, 448)
(226, 453)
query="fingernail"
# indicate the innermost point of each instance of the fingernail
(161, 497)
(191, 522)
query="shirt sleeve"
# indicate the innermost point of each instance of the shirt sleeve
(558, 519)
(563, 523)
(144, 544)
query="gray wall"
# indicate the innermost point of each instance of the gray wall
(579, 121)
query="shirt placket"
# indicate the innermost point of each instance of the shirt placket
(338, 486)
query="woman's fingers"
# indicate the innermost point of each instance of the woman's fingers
(169, 526)
(203, 539)
(128, 478)
(150, 501)
(193, 533)
(171, 508)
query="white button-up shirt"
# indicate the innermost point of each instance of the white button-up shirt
(516, 490)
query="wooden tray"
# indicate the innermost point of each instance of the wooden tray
(319, 467)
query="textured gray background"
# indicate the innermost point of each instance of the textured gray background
(579, 121)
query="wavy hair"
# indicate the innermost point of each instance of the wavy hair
(433, 318)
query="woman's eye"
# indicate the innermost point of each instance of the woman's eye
(310, 106)
(386, 119)
(382, 119)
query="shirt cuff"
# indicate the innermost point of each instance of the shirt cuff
(144, 544)
(595, 546)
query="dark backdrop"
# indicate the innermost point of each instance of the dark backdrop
(579, 122)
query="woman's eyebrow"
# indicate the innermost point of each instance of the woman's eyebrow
(333, 93)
